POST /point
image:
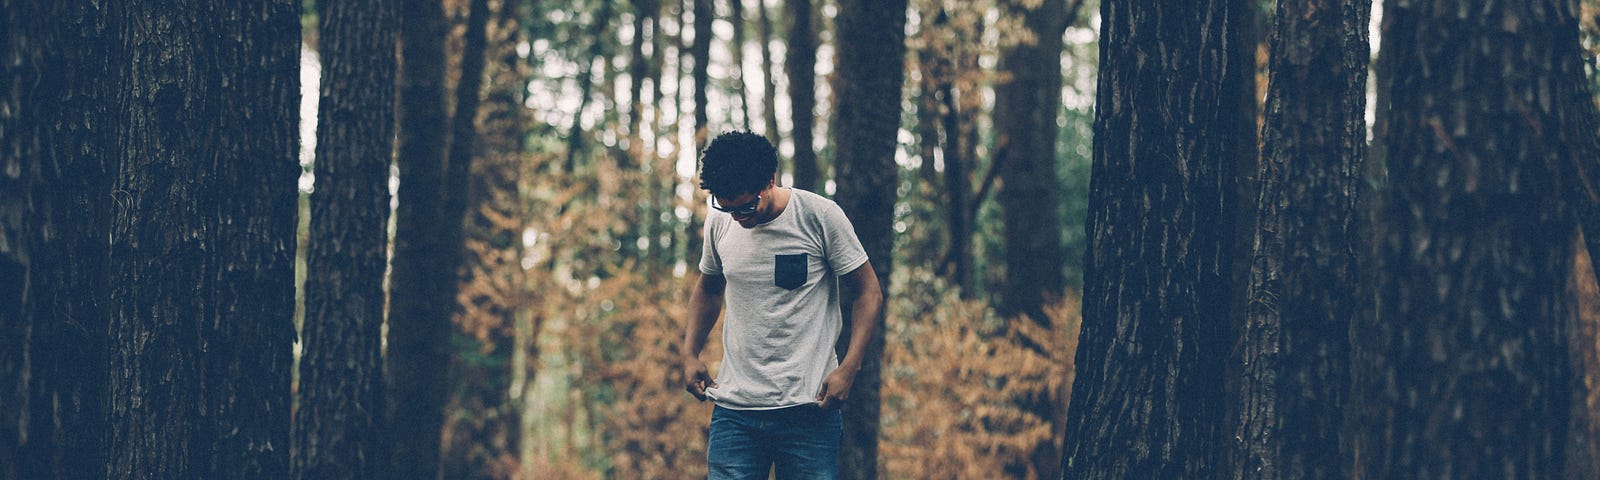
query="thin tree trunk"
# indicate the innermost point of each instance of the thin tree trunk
(485, 423)
(869, 99)
(704, 14)
(1295, 353)
(736, 15)
(1583, 444)
(769, 95)
(597, 53)
(419, 307)
(202, 296)
(801, 60)
(958, 178)
(645, 12)
(1464, 372)
(1026, 107)
(929, 68)
(1148, 400)
(340, 416)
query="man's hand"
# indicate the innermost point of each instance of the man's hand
(836, 388)
(696, 378)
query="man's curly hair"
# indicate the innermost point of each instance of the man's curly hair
(736, 163)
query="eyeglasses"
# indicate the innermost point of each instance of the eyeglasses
(749, 208)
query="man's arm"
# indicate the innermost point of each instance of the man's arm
(862, 285)
(705, 303)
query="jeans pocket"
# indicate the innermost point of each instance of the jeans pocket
(789, 271)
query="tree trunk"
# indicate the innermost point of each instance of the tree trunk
(645, 12)
(956, 123)
(1464, 370)
(202, 292)
(340, 416)
(1026, 107)
(704, 14)
(1583, 440)
(769, 95)
(1025, 139)
(421, 286)
(865, 136)
(801, 60)
(484, 430)
(56, 142)
(1295, 350)
(736, 15)
(1149, 399)
(459, 463)
(597, 53)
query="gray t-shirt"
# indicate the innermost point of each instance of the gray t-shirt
(783, 314)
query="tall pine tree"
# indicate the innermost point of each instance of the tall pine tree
(1149, 396)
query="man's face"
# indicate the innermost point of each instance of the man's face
(745, 208)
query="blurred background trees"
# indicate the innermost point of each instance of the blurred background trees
(532, 193)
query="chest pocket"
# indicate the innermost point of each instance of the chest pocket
(789, 271)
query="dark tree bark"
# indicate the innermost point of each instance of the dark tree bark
(956, 124)
(1295, 344)
(1148, 401)
(736, 15)
(1464, 370)
(644, 17)
(1026, 107)
(930, 69)
(421, 286)
(202, 235)
(1025, 113)
(56, 139)
(338, 424)
(769, 96)
(704, 15)
(485, 423)
(865, 136)
(800, 58)
(1581, 177)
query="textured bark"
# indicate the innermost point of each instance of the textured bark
(339, 420)
(1025, 144)
(1581, 177)
(865, 136)
(1583, 440)
(202, 235)
(55, 141)
(419, 306)
(1464, 371)
(800, 60)
(1295, 347)
(1148, 401)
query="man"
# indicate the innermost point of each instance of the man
(778, 257)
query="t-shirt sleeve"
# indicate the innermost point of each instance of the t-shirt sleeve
(844, 248)
(710, 262)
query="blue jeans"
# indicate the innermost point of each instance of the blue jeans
(799, 442)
